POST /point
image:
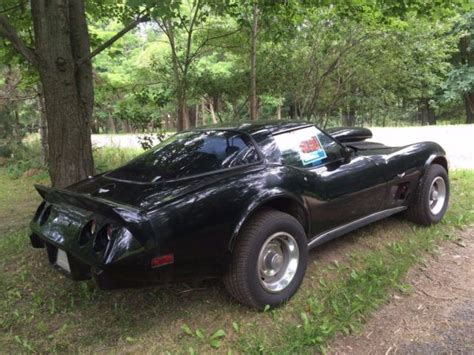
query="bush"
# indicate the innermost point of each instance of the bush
(24, 157)
(5, 151)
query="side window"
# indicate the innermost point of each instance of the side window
(238, 152)
(307, 147)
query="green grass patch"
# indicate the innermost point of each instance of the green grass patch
(23, 160)
(41, 311)
(107, 158)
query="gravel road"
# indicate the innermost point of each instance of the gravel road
(458, 140)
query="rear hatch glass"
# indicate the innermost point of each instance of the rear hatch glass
(189, 153)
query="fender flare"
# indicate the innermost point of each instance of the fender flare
(430, 160)
(428, 163)
(258, 203)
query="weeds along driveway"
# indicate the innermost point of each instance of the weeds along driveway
(436, 317)
(346, 280)
(457, 140)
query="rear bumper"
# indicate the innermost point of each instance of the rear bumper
(117, 277)
(78, 270)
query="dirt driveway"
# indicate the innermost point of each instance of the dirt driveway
(436, 317)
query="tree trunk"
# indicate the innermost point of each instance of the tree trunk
(111, 122)
(192, 116)
(125, 126)
(196, 119)
(349, 118)
(292, 112)
(43, 129)
(426, 112)
(278, 113)
(182, 121)
(253, 65)
(61, 39)
(16, 126)
(431, 116)
(469, 104)
(215, 103)
(203, 111)
(213, 114)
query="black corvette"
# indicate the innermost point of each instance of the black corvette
(244, 203)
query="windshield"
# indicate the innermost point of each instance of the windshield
(189, 153)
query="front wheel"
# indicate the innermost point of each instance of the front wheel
(269, 260)
(431, 200)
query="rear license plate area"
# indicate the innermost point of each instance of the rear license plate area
(67, 264)
(62, 261)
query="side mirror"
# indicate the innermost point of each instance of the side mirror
(347, 154)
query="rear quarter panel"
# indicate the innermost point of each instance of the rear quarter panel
(404, 165)
(199, 228)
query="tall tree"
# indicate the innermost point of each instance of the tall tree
(60, 52)
(461, 79)
(253, 64)
(189, 34)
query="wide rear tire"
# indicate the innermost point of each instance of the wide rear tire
(269, 260)
(430, 202)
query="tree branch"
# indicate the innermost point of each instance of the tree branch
(210, 39)
(14, 7)
(114, 38)
(190, 36)
(167, 29)
(8, 32)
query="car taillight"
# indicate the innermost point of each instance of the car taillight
(110, 231)
(39, 210)
(87, 232)
(162, 260)
(45, 215)
(104, 235)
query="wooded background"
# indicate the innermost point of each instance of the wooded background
(72, 67)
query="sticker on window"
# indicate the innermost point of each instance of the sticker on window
(311, 151)
(304, 143)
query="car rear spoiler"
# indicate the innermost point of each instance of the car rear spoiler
(350, 134)
(126, 213)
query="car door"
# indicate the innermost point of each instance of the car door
(337, 189)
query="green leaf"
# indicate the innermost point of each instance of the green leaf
(215, 343)
(218, 334)
(235, 325)
(199, 334)
(185, 328)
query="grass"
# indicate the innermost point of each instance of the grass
(347, 279)
(25, 159)
(106, 158)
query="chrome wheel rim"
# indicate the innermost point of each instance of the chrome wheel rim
(437, 195)
(278, 261)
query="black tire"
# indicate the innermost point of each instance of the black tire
(420, 209)
(243, 280)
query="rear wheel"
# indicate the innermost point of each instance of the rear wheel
(269, 260)
(431, 200)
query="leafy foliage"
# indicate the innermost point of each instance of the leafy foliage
(356, 62)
